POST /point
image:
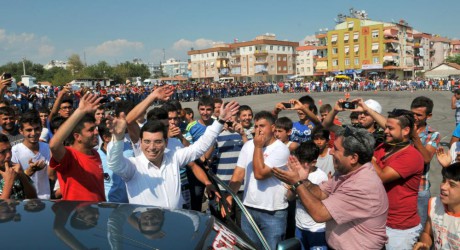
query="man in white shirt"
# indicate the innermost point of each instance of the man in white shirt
(153, 178)
(33, 155)
(264, 195)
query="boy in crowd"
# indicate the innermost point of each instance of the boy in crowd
(325, 162)
(9, 127)
(44, 112)
(283, 129)
(310, 233)
(442, 227)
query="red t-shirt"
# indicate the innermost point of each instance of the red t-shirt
(80, 176)
(402, 193)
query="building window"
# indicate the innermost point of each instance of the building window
(308, 69)
(271, 47)
(284, 48)
(375, 48)
(347, 50)
(375, 60)
(347, 61)
(356, 61)
(335, 51)
(284, 68)
(272, 58)
(284, 58)
(273, 67)
(279, 58)
(356, 49)
(290, 67)
(346, 37)
(375, 33)
(279, 68)
(250, 48)
(355, 36)
(335, 62)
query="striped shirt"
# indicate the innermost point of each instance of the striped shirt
(229, 145)
(428, 137)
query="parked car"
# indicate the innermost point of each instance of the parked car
(44, 224)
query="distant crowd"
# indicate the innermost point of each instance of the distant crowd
(360, 185)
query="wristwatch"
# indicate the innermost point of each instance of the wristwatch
(296, 185)
(221, 121)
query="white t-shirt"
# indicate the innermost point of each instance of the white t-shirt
(22, 154)
(302, 219)
(268, 194)
(45, 135)
(326, 163)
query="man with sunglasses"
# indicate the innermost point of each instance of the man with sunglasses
(400, 166)
(353, 203)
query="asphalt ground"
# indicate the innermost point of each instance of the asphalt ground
(443, 119)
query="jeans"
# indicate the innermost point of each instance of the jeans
(311, 240)
(422, 206)
(402, 239)
(272, 224)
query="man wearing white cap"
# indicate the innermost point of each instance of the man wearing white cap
(366, 121)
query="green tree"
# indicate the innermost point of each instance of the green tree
(75, 65)
(128, 70)
(16, 69)
(453, 59)
(100, 70)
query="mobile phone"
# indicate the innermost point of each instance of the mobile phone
(348, 105)
(7, 76)
(287, 105)
(229, 123)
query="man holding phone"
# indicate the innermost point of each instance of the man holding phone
(5, 83)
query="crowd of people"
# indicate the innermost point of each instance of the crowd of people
(362, 185)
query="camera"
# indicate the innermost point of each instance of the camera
(349, 105)
(287, 105)
(6, 76)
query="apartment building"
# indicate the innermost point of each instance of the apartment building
(440, 50)
(422, 52)
(262, 59)
(455, 47)
(173, 67)
(306, 61)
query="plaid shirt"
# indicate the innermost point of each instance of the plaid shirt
(428, 137)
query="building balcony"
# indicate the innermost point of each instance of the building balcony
(321, 58)
(409, 44)
(321, 70)
(260, 62)
(321, 46)
(320, 35)
(417, 45)
(391, 40)
(391, 53)
(260, 52)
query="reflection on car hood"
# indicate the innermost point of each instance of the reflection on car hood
(71, 224)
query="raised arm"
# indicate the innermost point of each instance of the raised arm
(88, 104)
(57, 104)
(4, 84)
(362, 107)
(328, 121)
(297, 105)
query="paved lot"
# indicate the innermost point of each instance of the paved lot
(442, 120)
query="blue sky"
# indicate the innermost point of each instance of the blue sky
(117, 31)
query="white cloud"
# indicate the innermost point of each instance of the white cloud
(16, 46)
(115, 48)
(201, 43)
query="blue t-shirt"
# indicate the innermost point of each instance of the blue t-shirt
(300, 132)
(114, 186)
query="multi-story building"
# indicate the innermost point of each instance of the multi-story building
(210, 64)
(262, 59)
(455, 47)
(306, 61)
(321, 54)
(55, 63)
(173, 67)
(440, 50)
(422, 60)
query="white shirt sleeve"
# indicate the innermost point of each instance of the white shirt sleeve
(117, 162)
(196, 150)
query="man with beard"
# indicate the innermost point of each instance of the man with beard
(78, 166)
(33, 155)
(8, 124)
(366, 121)
(353, 203)
(400, 166)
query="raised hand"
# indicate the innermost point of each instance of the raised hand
(89, 103)
(229, 110)
(302, 169)
(260, 139)
(118, 126)
(443, 158)
(9, 174)
(163, 93)
(38, 165)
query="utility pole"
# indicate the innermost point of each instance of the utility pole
(24, 65)
(164, 56)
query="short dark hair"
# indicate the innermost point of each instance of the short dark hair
(218, 100)
(265, 115)
(283, 123)
(7, 111)
(102, 128)
(123, 106)
(176, 103)
(206, 101)
(154, 126)
(189, 111)
(405, 118)
(44, 110)
(452, 172)
(88, 118)
(4, 138)
(30, 117)
(325, 108)
(67, 100)
(157, 114)
(307, 152)
(169, 107)
(56, 122)
(243, 108)
(320, 132)
(423, 102)
(306, 99)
